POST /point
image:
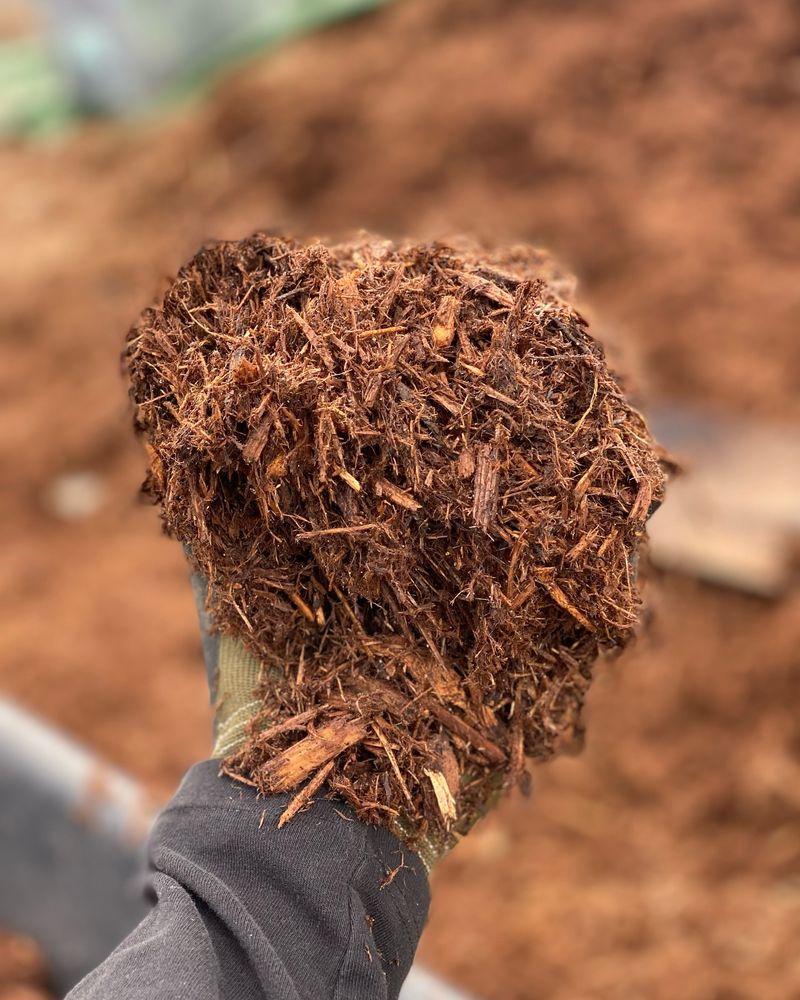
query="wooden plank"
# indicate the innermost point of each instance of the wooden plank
(733, 516)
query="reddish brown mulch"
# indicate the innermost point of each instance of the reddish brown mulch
(418, 495)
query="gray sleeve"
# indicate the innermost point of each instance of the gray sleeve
(325, 909)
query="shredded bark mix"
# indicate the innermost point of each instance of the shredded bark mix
(418, 493)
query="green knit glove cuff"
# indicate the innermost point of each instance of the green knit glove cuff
(433, 846)
(238, 674)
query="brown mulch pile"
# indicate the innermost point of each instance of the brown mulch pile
(419, 494)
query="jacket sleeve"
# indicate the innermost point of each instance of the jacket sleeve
(326, 908)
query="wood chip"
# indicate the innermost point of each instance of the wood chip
(444, 328)
(305, 795)
(302, 759)
(487, 470)
(444, 797)
(384, 488)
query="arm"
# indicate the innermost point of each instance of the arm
(325, 907)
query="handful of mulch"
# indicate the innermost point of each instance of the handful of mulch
(418, 494)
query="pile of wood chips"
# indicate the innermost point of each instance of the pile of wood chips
(418, 493)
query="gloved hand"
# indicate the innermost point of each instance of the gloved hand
(234, 673)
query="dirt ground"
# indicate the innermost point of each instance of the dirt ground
(23, 970)
(655, 147)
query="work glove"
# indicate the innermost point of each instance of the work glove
(235, 674)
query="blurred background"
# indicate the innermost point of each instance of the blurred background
(655, 148)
